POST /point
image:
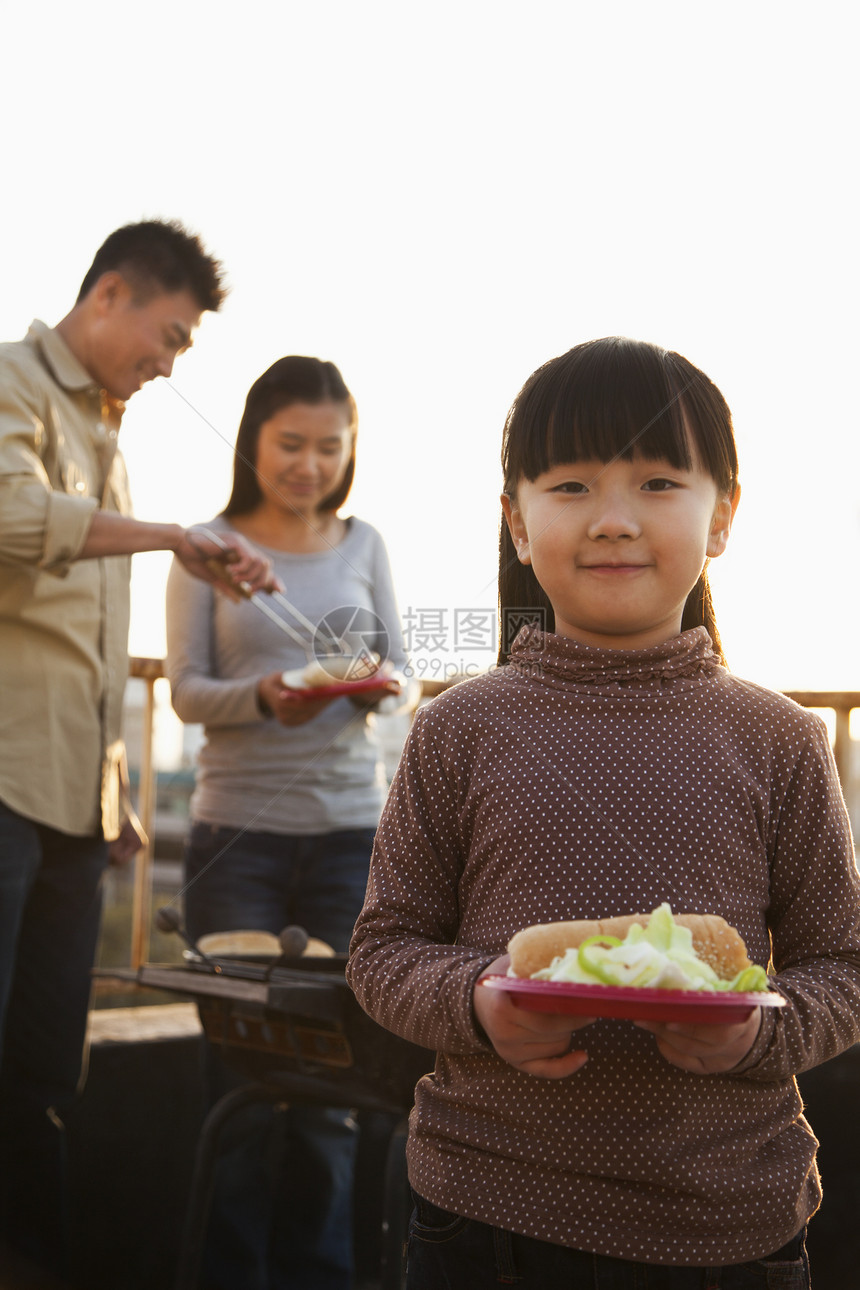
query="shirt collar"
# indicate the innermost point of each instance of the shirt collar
(67, 370)
(688, 655)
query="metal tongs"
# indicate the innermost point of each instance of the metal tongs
(333, 645)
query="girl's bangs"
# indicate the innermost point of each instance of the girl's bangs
(600, 402)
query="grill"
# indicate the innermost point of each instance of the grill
(297, 1023)
(293, 1029)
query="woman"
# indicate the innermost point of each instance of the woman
(288, 790)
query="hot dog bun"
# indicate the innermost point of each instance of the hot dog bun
(714, 941)
(328, 672)
(329, 669)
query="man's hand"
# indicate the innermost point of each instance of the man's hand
(231, 564)
(704, 1050)
(226, 560)
(124, 848)
(537, 1043)
(285, 705)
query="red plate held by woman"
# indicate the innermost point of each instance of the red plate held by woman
(368, 683)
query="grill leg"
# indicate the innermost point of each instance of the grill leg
(397, 1208)
(200, 1198)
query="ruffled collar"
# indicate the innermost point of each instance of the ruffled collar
(689, 655)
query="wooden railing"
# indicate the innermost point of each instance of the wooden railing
(150, 670)
(842, 702)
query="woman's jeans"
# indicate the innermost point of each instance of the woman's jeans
(281, 1216)
(451, 1253)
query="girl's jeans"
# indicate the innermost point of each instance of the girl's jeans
(451, 1253)
(281, 1217)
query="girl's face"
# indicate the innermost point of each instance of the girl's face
(618, 546)
(302, 454)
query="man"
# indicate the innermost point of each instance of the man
(66, 535)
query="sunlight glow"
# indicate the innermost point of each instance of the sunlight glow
(441, 200)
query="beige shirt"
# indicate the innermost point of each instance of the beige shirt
(582, 783)
(63, 623)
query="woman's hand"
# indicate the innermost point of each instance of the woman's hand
(285, 705)
(704, 1050)
(537, 1043)
(391, 682)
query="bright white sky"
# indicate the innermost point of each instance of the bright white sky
(439, 198)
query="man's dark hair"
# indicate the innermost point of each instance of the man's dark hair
(159, 255)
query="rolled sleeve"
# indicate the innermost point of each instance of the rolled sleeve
(41, 525)
(66, 525)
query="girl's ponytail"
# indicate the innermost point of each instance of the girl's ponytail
(699, 612)
(521, 597)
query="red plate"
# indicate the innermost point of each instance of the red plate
(632, 1003)
(368, 683)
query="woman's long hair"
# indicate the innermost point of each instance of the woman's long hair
(601, 401)
(290, 380)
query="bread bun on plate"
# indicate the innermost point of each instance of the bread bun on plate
(331, 669)
(662, 950)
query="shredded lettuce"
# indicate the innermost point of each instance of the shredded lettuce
(659, 956)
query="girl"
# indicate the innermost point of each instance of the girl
(288, 791)
(611, 764)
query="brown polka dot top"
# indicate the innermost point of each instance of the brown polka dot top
(581, 783)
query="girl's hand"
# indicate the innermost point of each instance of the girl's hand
(537, 1043)
(285, 705)
(704, 1050)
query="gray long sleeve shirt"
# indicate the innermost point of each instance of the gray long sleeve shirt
(584, 783)
(252, 771)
